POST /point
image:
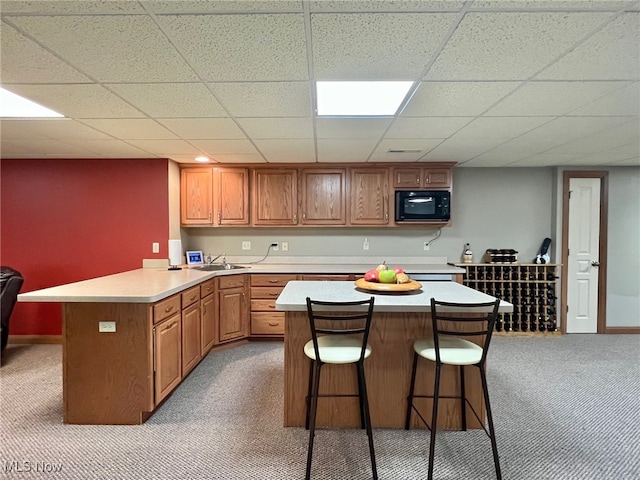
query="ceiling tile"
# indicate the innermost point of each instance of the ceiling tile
(277, 127)
(298, 150)
(544, 160)
(24, 61)
(551, 98)
(165, 147)
(186, 100)
(241, 47)
(215, 147)
(40, 147)
(207, 6)
(203, 128)
(345, 150)
(611, 5)
(265, 99)
(386, 5)
(113, 149)
(624, 101)
(373, 46)
(353, 128)
(55, 128)
(240, 158)
(455, 99)
(500, 127)
(97, 101)
(417, 149)
(426, 127)
(457, 149)
(509, 45)
(133, 128)
(610, 54)
(68, 6)
(123, 48)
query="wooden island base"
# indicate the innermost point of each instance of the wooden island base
(388, 376)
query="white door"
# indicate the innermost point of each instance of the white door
(583, 261)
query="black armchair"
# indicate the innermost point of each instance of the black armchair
(10, 283)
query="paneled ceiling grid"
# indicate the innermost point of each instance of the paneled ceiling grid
(498, 82)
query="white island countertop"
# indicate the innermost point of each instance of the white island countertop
(294, 294)
(148, 285)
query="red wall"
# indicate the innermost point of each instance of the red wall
(68, 220)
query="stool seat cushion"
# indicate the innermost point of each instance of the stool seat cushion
(338, 349)
(453, 350)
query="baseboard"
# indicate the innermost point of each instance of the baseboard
(32, 339)
(623, 330)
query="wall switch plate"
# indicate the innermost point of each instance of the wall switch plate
(426, 246)
(246, 245)
(365, 244)
(275, 246)
(106, 326)
(155, 247)
(285, 246)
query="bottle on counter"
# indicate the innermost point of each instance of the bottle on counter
(467, 254)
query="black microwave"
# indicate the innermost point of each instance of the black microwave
(423, 205)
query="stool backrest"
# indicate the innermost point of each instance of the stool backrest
(464, 320)
(340, 318)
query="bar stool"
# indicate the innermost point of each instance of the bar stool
(342, 340)
(451, 321)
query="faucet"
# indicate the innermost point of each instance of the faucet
(210, 261)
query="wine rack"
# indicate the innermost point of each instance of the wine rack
(530, 288)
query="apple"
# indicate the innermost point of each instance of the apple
(387, 276)
(372, 276)
(398, 270)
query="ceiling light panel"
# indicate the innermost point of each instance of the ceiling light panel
(360, 98)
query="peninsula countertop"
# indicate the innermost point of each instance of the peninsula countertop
(148, 285)
(293, 296)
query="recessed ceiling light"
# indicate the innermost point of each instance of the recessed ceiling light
(360, 98)
(202, 159)
(14, 106)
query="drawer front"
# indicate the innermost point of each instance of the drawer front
(207, 288)
(190, 296)
(263, 305)
(230, 281)
(268, 280)
(265, 292)
(166, 308)
(267, 323)
(329, 277)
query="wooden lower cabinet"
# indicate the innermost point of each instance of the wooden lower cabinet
(167, 356)
(190, 337)
(265, 320)
(233, 309)
(207, 323)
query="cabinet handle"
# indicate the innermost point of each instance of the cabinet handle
(219, 217)
(304, 216)
(210, 215)
(192, 297)
(273, 324)
(272, 306)
(273, 281)
(295, 218)
(417, 180)
(273, 294)
(168, 309)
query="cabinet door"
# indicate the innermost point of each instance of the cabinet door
(190, 337)
(207, 323)
(275, 197)
(196, 196)
(232, 314)
(369, 196)
(232, 196)
(324, 196)
(437, 178)
(406, 177)
(167, 356)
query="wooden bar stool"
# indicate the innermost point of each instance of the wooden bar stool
(451, 321)
(339, 337)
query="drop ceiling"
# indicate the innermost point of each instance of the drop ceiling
(522, 83)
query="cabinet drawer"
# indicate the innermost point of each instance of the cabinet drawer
(265, 292)
(263, 305)
(190, 296)
(329, 277)
(263, 323)
(268, 280)
(166, 308)
(206, 288)
(231, 281)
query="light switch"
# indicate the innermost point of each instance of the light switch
(155, 246)
(107, 326)
(246, 245)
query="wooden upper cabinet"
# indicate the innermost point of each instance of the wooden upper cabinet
(231, 187)
(422, 177)
(369, 196)
(196, 198)
(324, 196)
(275, 197)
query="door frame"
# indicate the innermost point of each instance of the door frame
(602, 253)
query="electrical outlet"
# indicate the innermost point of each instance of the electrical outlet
(155, 247)
(365, 244)
(107, 327)
(275, 246)
(246, 245)
(285, 246)
(426, 246)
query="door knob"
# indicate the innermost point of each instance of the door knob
(595, 263)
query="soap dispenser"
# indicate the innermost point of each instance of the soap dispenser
(467, 254)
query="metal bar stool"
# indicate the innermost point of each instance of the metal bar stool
(339, 337)
(446, 347)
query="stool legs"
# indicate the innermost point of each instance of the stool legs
(315, 375)
(492, 433)
(411, 390)
(463, 400)
(367, 418)
(434, 421)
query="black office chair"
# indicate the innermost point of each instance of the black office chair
(447, 347)
(10, 283)
(339, 337)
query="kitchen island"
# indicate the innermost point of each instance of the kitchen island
(398, 320)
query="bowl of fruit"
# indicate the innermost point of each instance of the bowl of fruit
(385, 279)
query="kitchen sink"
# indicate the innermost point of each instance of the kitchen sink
(219, 266)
